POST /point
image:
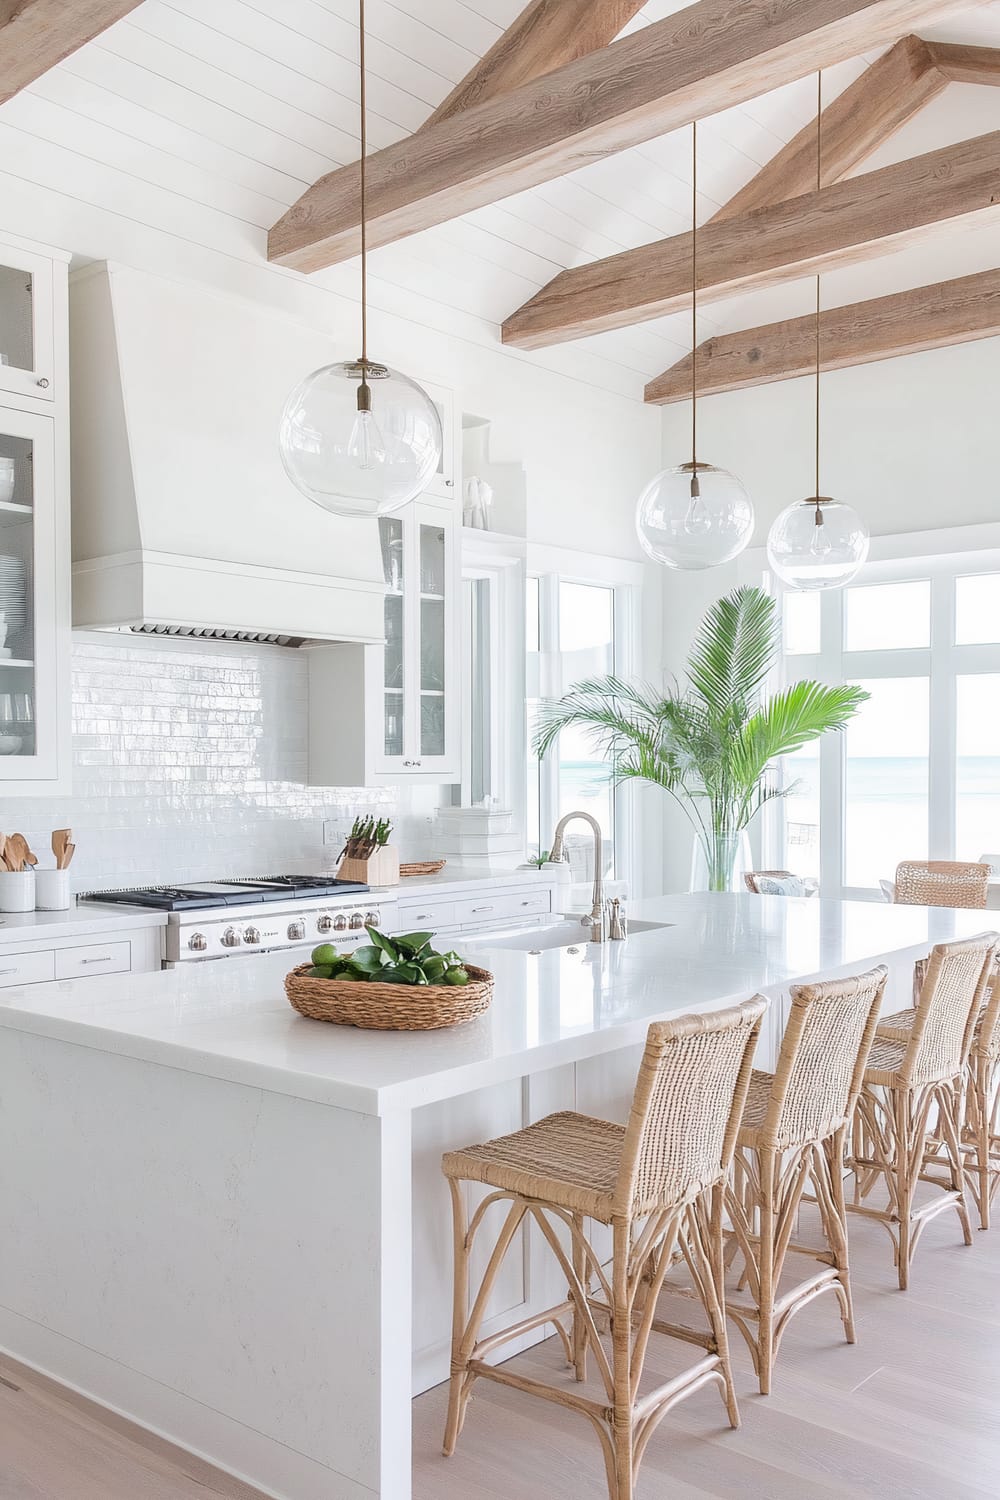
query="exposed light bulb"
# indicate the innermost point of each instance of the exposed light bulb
(366, 445)
(697, 520)
(820, 545)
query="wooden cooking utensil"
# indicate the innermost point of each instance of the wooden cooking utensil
(60, 838)
(68, 853)
(16, 851)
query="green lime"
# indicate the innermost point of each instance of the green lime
(326, 953)
(456, 976)
(320, 971)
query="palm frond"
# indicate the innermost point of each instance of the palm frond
(734, 649)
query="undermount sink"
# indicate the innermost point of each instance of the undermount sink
(568, 934)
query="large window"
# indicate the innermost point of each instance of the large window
(917, 773)
(570, 634)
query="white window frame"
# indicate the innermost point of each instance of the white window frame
(503, 568)
(552, 566)
(939, 557)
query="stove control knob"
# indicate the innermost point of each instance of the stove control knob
(198, 942)
(252, 935)
(372, 918)
(357, 921)
(340, 922)
(230, 938)
(324, 923)
(296, 931)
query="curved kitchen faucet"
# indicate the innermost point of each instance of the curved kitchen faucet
(597, 921)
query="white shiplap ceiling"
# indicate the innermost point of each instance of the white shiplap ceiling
(209, 119)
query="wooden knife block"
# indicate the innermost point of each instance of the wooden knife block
(380, 868)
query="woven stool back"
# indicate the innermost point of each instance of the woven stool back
(986, 1038)
(752, 878)
(822, 1059)
(950, 1000)
(686, 1108)
(941, 882)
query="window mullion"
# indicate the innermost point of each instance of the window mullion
(942, 770)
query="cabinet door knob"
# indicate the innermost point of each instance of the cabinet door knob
(43, 383)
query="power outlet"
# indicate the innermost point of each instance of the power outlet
(334, 831)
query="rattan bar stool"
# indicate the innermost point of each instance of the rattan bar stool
(941, 882)
(980, 1112)
(792, 1140)
(751, 878)
(659, 1182)
(906, 1079)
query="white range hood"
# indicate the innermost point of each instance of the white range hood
(183, 518)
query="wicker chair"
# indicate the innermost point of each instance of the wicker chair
(980, 1117)
(791, 1139)
(941, 882)
(752, 877)
(659, 1182)
(908, 1076)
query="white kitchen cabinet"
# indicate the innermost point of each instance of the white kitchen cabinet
(29, 283)
(384, 714)
(35, 698)
(445, 483)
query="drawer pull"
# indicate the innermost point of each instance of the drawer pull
(482, 908)
(10, 971)
(105, 960)
(421, 916)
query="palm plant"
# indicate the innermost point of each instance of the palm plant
(711, 743)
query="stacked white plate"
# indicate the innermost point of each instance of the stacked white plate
(13, 592)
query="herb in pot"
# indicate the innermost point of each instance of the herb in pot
(408, 959)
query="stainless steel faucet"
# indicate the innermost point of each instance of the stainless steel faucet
(597, 921)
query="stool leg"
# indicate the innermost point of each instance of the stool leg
(621, 1361)
(711, 1249)
(949, 1102)
(457, 1395)
(583, 1276)
(902, 1181)
(765, 1260)
(828, 1159)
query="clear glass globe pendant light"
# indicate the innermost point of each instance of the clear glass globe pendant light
(359, 438)
(817, 543)
(694, 516)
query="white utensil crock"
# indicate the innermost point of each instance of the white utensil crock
(17, 890)
(52, 890)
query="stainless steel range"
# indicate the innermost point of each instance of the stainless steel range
(238, 918)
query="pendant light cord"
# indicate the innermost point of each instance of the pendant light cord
(364, 197)
(819, 184)
(694, 297)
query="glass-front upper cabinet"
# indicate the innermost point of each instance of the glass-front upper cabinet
(29, 690)
(26, 324)
(421, 732)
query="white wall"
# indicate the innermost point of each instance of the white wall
(910, 442)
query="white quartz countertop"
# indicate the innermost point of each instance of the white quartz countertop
(455, 878)
(230, 1019)
(78, 921)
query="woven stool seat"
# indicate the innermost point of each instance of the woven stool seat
(659, 1183)
(567, 1159)
(909, 1113)
(791, 1138)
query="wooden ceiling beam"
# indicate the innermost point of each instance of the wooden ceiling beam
(713, 54)
(37, 34)
(545, 35)
(841, 225)
(961, 64)
(929, 317)
(855, 124)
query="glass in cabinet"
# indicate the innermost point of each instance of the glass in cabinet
(29, 689)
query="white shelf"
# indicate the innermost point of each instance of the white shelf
(14, 507)
(15, 661)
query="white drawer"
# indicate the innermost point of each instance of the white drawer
(96, 958)
(426, 916)
(503, 908)
(27, 968)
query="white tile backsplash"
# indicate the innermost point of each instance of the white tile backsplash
(190, 762)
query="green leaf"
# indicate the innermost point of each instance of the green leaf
(380, 940)
(413, 942)
(367, 960)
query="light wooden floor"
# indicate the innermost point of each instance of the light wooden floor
(912, 1412)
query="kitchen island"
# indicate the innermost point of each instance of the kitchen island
(228, 1222)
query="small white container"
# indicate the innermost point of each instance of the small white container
(17, 890)
(52, 891)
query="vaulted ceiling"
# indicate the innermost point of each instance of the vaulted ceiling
(219, 117)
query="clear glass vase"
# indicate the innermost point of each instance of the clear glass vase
(719, 860)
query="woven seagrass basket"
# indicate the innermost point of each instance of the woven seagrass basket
(389, 1007)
